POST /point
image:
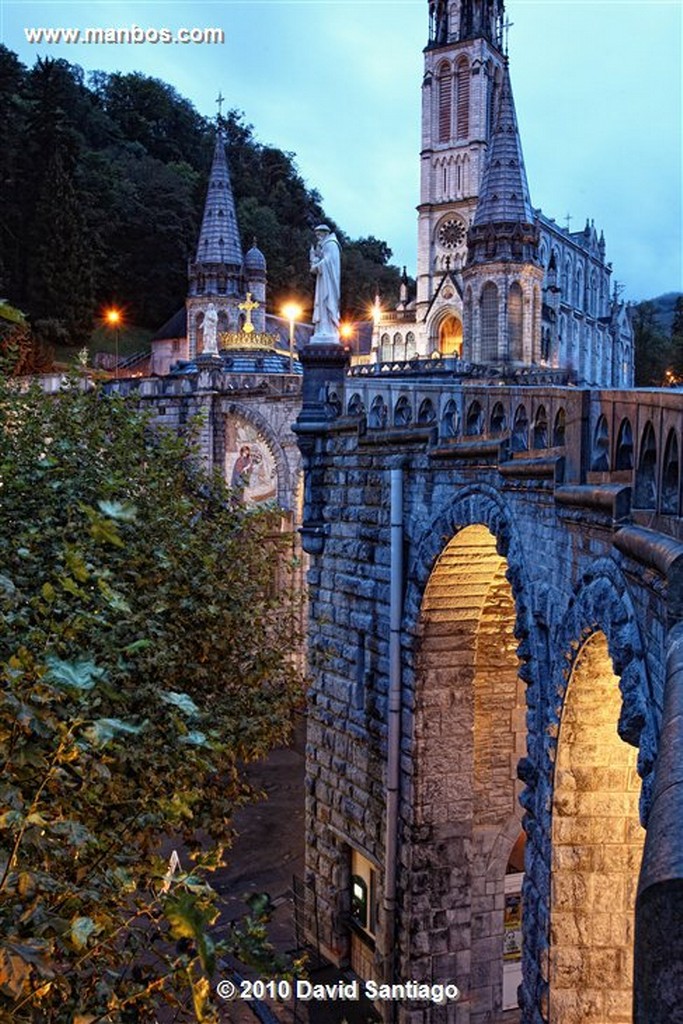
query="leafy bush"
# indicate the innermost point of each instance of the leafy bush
(145, 655)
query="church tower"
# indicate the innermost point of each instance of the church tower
(461, 90)
(503, 276)
(216, 275)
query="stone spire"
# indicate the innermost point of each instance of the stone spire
(503, 225)
(219, 239)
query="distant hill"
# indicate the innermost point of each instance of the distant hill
(664, 309)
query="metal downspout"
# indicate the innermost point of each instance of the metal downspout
(393, 723)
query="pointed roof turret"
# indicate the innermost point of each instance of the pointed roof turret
(504, 195)
(504, 227)
(219, 239)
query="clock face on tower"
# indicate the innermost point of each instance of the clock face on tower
(451, 234)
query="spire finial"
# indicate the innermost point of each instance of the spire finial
(220, 100)
(507, 25)
(568, 218)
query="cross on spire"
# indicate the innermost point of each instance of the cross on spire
(220, 101)
(507, 25)
(569, 219)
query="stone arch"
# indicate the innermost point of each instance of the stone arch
(474, 420)
(378, 413)
(623, 458)
(450, 420)
(426, 413)
(498, 420)
(645, 491)
(600, 451)
(519, 441)
(285, 474)
(671, 475)
(448, 339)
(356, 406)
(403, 413)
(465, 615)
(540, 433)
(596, 849)
(559, 428)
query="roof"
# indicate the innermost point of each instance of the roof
(175, 327)
(219, 238)
(504, 195)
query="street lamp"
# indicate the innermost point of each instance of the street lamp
(376, 313)
(113, 318)
(292, 311)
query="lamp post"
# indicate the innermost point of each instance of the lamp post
(113, 318)
(292, 311)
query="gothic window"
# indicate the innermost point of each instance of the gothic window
(474, 422)
(578, 289)
(646, 476)
(600, 453)
(559, 429)
(541, 428)
(385, 348)
(624, 454)
(410, 345)
(519, 442)
(670, 476)
(356, 407)
(427, 413)
(489, 322)
(515, 322)
(498, 420)
(445, 100)
(399, 348)
(462, 88)
(403, 414)
(378, 413)
(450, 424)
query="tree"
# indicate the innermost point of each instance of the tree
(652, 352)
(145, 657)
(677, 339)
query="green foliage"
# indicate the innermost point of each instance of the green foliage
(145, 656)
(658, 354)
(105, 186)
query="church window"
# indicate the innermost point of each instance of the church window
(445, 182)
(489, 322)
(410, 345)
(385, 349)
(399, 348)
(462, 85)
(516, 322)
(459, 177)
(445, 100)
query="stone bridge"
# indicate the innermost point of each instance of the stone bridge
(497, 704)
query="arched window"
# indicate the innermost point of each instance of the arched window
(489, 322)
(624, 453)
(445, 100)
(462, 88)
(427, 413)
(600, 453)
(385, 349)
(519, 441)
(410, 345)
(450, 424)
(498, 420)
(475, 420)
(356, 407)
(378, 413)
(515, 322)
(541, 428)
(646, 475)
(399, 348)
(671, 476)
(403, 414)
(450, 337)
(559, 428)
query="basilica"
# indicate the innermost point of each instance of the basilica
(499, 283)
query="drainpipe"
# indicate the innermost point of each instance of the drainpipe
(393, 723)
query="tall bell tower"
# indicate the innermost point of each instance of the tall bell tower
(463, 75)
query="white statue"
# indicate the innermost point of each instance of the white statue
(325, 264)
(210, 330)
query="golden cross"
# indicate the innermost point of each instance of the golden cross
(248, 306)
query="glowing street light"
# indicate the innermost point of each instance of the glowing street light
(292, 311)
(346, 330)
(113, 318)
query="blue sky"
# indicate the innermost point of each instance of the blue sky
(597, 85)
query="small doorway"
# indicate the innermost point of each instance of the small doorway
(450, 337)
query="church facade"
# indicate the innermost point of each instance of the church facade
(498, 282)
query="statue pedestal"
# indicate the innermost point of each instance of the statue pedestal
(325, 339)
